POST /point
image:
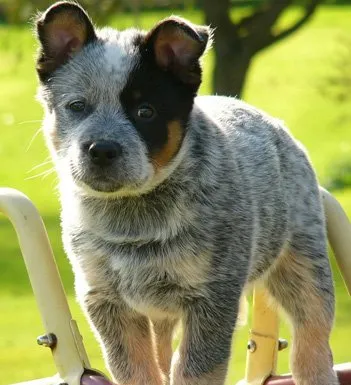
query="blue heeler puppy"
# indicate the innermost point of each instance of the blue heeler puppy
(172, 204)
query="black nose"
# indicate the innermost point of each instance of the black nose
(103, 152)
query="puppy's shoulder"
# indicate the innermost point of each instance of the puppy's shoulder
(234, 118)
(232, 112)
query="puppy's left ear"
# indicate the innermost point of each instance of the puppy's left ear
(63, 30)
(177, 46)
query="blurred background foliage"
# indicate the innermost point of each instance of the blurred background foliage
(291, 58)
(243, 27)
(19, 11)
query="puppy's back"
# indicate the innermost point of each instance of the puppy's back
(269, 167)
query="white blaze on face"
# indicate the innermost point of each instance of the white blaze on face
(120, 54)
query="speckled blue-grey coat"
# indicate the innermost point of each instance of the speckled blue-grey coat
(173, 204)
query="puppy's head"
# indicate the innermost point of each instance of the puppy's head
(117, 103)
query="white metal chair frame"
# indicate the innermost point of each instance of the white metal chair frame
(61, 331)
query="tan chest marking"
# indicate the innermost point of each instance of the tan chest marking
(162, 157)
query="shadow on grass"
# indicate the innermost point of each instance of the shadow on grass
(339, 175)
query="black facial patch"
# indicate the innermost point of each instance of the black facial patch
(171, 99)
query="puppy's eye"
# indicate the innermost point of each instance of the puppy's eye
(77, 106)
(146, 112)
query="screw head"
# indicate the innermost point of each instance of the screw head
(251, 346)
(282, 344)
(47, 340)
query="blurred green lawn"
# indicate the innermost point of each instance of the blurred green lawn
(284, 81)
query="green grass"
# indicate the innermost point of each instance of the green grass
(284, 80)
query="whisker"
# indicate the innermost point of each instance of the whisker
(44, 174)
(49, 173)
(33, 138)
(39, 165)
(30, 121)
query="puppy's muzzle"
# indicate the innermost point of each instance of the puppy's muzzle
(103, 153)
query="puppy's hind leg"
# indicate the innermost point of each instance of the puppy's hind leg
(301, 283)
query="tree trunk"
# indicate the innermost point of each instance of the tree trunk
(232, 56)
(230, 72)
(232, 61)
(237, 43)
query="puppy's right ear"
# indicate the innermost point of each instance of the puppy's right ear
(63, 29)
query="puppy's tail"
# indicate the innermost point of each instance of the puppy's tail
(339, 234)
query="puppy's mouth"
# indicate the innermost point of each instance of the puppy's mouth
(106, 185)
(99, 183)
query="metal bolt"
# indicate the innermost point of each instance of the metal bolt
(47, 340)
(251, 346)
(282, 344)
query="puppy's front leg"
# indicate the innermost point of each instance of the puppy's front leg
(203, 356)
(163, 330)
(126, 341)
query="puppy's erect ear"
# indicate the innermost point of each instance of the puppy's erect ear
(177, 46)
(63, 29)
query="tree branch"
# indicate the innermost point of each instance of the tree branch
(309, 11)
(217, 14)
(267, 38)
(261, 21)
(238, 42)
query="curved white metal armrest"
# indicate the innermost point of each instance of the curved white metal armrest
(69, 354)
(339, 235)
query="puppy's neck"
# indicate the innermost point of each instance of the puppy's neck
(157, 215)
